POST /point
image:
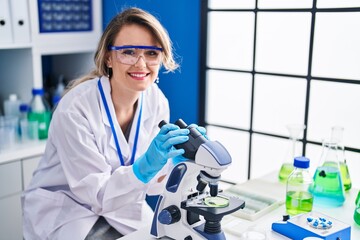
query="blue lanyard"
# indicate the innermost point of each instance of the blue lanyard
(122, 162)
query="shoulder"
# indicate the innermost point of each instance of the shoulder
(81, 102)
(83, 88)
(79, 107)
(80, 96)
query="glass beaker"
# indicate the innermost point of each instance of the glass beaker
(336, 136)
(327, 187)
(293, 151)
(8, 132)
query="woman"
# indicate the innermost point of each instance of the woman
(105, 151)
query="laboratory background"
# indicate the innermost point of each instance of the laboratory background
(267, 78)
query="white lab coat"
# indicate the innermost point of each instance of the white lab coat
(79, 177)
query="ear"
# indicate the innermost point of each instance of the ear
(108, 61)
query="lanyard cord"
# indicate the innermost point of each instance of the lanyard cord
(122, 162)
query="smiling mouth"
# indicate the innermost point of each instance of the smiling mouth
(139, 75)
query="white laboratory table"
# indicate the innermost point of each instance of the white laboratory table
(234, 226)
(23, 150)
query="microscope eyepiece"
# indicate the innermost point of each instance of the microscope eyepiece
(162, 123)
(181, 123)
(195, 139)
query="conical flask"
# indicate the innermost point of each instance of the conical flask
(357, 200)
(327, 187)
(357, 210)
(336, 136)
(293, 151)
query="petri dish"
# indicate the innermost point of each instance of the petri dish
(217, 201)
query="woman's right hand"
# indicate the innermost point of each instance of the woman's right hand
(160, 150)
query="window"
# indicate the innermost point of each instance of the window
(269, 63)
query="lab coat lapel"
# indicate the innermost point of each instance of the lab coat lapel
(133, 132)
(144, 130)
(125, 148)
(145, 127)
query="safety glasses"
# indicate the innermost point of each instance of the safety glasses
(130, 54)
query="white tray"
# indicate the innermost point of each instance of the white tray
(258, 199)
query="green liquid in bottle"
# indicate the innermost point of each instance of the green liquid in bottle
(298, 202)
(285, 171)
(357, 215)
(327, 188)
(43, 119)
(345, 176)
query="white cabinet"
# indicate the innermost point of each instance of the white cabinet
(10, 179)
(67, 52)
(10, 218)
(62, 42)
(22, 67)
(10, 206)
(16, 170)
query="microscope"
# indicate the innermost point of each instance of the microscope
(192, 206)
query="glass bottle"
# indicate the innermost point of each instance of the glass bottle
(327, 187)
(336, 136)
(293, 150)
(11, 106)
(60, 87)
(298, 198)
(39, 111)
(24, 109)
(23, 122)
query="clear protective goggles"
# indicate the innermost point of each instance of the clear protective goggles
(130, 54)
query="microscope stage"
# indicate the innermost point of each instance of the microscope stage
(213, 213)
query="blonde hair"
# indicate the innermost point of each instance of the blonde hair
(129, 16)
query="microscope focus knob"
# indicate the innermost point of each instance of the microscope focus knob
(169, 215)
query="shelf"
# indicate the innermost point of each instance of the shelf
(69, 49)
(13, 46)
(47, 43)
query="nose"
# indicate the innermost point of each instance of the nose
(140, 62)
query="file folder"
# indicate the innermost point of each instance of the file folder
(5, 22)
(20, 20)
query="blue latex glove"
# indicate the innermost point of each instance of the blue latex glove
(159, 151)
(202, 130)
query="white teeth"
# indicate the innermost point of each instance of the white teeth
(137, 75)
